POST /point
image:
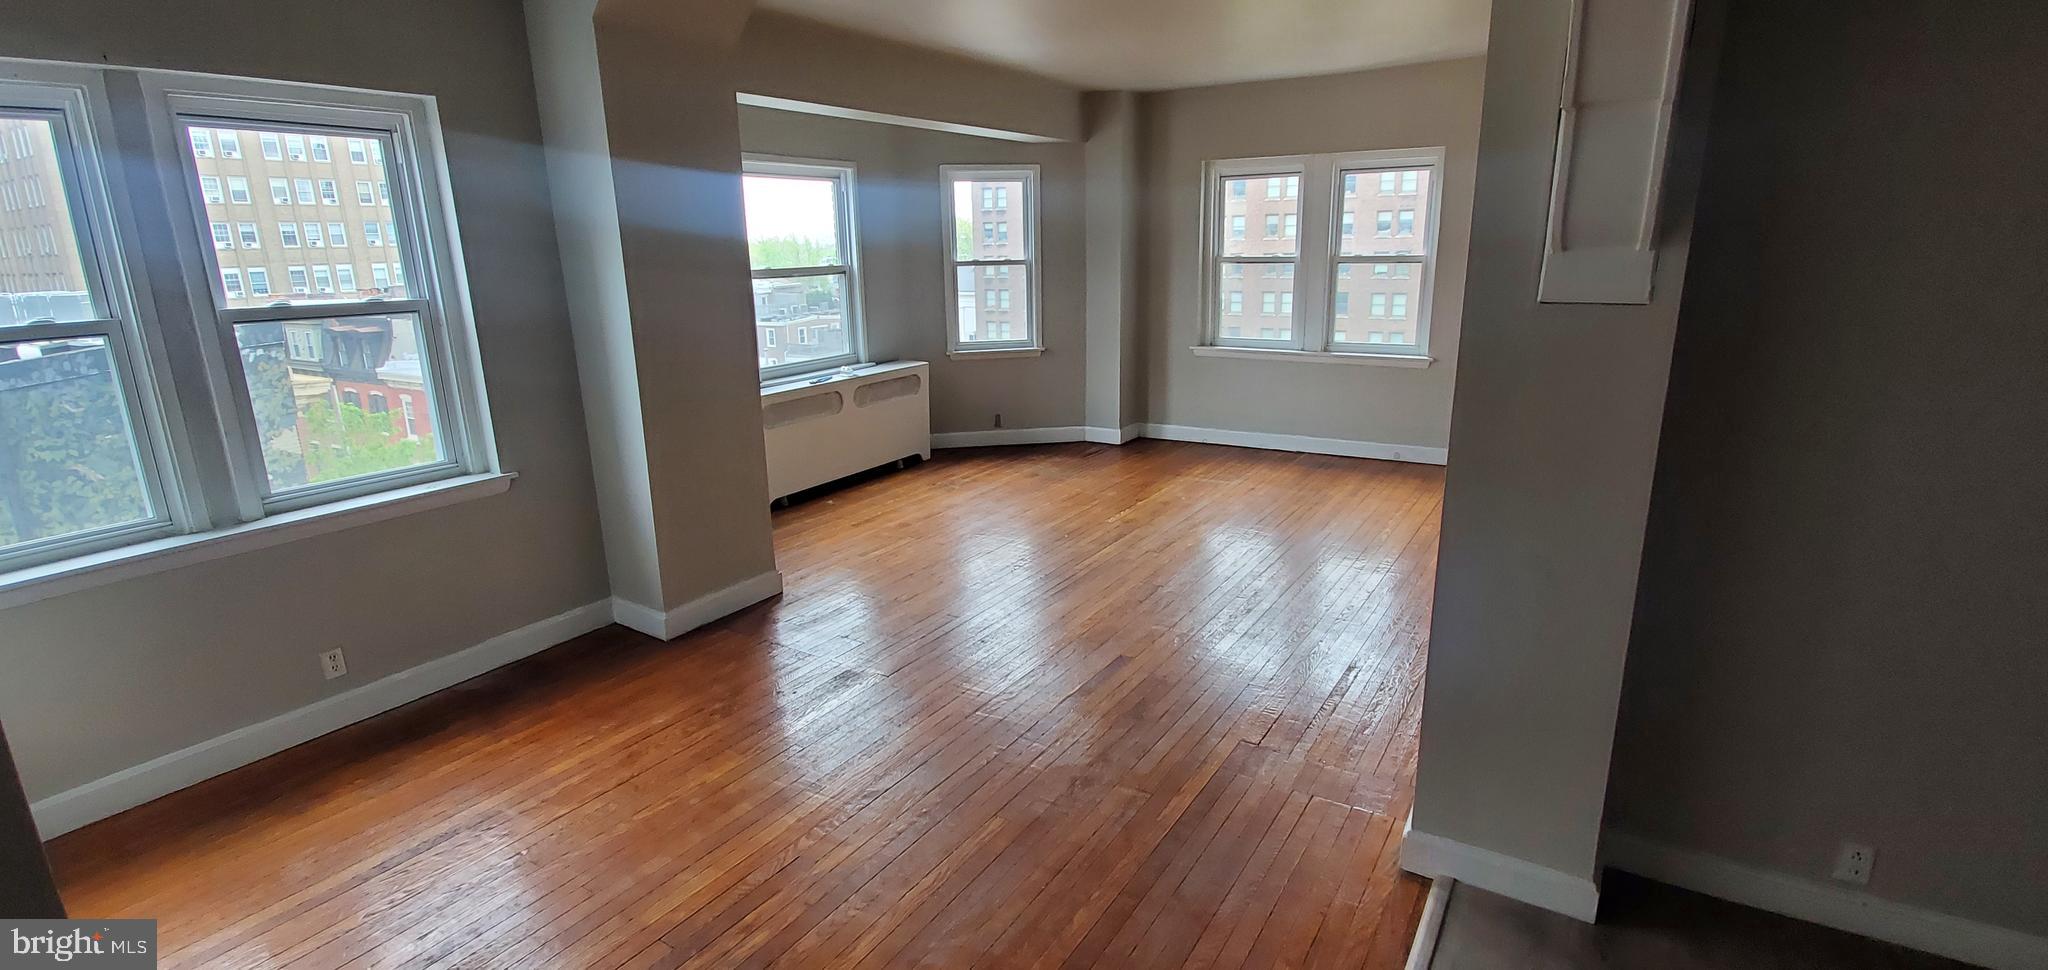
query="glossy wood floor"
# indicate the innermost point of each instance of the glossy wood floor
(1064, 706)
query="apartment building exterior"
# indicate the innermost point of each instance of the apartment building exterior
(1382, 212)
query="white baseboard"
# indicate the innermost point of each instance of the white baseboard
(1113, 436)
(1440, 858)
(1342, 447)
(129, 787)
(1431, 927)
(1010, 436)
(697, 612)
(1844, 909)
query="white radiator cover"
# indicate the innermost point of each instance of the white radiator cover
(822, 428)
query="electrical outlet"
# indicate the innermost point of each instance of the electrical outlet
(333, 664)
(1853, 863)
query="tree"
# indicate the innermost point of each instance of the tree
(67, 459)
(782, 252)
(348, 441)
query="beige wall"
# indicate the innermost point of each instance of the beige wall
(105, 679)
(902, 239)
(1841, 626)
(1553, 440)
(1428, 105)
(788, 57)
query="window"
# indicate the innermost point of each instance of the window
(302, 351)
(202, 143)
(209, 187)
(320, 151)
(295, 147)
(372, 234)
(995, 308)
(1261, 269)
(247, 231)
(364, 194)
(79, 466)
(281, 191)
(380, 277)
(230, 145)
(223, 237)
(412, 428)
(356, 153)
(238, 187)
(337, 235)
(801, 249)
(273, 149)
(1398, 253)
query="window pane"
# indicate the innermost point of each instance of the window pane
(995, 307)
(1388, 214)
(792, 221)
(301, 193)
(1261, 216)
(68, 457)
(42, 269)
(1388, 306)
(327, 397)
(989, 220)
(800, 318)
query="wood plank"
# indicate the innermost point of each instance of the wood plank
(1080, 705)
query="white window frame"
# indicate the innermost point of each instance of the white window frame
(1272, 172)
(74, 101)
(1033, 340)
(453, 378)
(1319, 247)
(181, 379)
(845, 179)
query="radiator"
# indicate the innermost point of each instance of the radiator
(824, 428)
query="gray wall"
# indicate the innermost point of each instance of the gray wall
(1553, 444)
(902, 239)
(1405, 107)
(1841, 624)
(100, 680)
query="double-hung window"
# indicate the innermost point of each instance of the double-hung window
(1366, 238)
(992, 277)
(804, 257)
(101, 426)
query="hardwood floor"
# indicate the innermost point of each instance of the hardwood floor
(1061, 706)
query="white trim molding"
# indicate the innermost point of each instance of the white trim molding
(1844, 909)
(704, 609)
(1315, 356)
(1431, 927)
(129, 787)
(1440, 858)
(1341, 447)
(1010, 436)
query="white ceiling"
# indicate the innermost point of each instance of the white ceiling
(1154, 44)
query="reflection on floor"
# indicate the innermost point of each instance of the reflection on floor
(1645, 924)
(1148, 706)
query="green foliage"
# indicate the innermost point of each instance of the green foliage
(270, 394)
(963, 237)
(348, 441)
(783, 252)
(66, 462)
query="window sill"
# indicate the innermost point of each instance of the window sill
(995, 353)
(157, 555)
(1316, 357)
